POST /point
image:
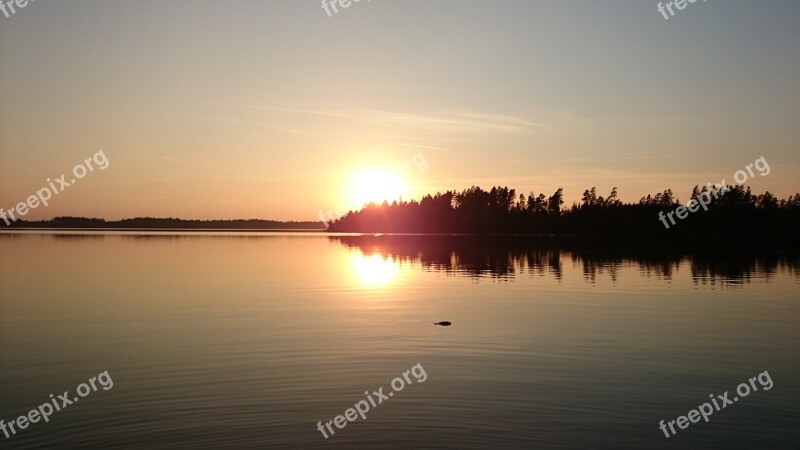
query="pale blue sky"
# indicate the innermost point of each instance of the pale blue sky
(223, 109)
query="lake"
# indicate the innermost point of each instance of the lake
(255, 340)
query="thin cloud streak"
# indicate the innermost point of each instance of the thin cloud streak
(457, 121)
(269, 126)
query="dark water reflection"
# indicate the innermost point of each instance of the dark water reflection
(235, 340)
(508, 257)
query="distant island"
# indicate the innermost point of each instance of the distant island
(732, 211)
(165, 223)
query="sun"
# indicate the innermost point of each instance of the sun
(375, 185)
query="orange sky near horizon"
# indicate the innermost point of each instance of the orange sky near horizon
(274, 110)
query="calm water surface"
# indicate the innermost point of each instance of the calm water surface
(231, 340)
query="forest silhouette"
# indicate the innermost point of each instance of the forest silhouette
(734, 211)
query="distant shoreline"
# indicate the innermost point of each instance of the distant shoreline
(164, 224)
(183, 230)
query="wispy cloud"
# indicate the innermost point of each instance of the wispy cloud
(248, 122)
(427, 147)
(454, 121)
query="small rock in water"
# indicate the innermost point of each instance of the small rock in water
(444, 324)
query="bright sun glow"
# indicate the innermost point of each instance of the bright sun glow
(375, 186)
(374, 270)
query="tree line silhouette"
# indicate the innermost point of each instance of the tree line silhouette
(732, 211)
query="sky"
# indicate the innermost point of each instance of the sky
(273, 109)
